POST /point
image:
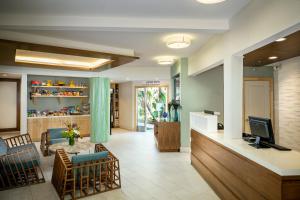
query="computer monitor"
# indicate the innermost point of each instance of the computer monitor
(262, 129)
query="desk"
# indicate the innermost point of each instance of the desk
(236, 170)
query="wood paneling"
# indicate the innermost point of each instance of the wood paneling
(36, 126)
(283, 50)
(8, 51)
(167, 136)
(241, 177)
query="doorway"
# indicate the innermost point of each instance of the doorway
(10, 104)
(258, 99)
(151, 103)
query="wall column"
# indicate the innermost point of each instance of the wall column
(233, 96)
(23, 106)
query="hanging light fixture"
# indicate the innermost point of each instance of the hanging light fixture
(179, 41)
(165, 60)
(210, 1)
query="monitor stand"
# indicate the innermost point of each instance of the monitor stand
(257, 144)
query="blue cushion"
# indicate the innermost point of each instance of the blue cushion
(89, 157)
(55, 133)
(33, 154)
(3, 147)
(59, 140)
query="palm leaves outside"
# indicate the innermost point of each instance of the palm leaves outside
(151, 104)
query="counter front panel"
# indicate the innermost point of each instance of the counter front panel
(234, 176)
(37, 125)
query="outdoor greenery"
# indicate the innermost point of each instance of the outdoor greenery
(151, 103)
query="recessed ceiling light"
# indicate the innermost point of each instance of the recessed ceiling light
(178, 41)
(273, 57)
(280, 39)
(60, 60)
(165, 60)
(5, 75)
(210, 1)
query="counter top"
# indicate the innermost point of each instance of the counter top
(283, 163)
(46, 117)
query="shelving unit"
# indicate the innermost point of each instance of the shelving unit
(58, 88)
(115, 105)
(58, 96)
(61, 87)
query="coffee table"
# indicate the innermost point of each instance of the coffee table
(80, 146)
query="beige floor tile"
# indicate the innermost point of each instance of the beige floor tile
(146, 174)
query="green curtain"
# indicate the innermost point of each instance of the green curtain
(99, 109)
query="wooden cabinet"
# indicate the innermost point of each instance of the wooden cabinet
(167, 136)
(37, 125)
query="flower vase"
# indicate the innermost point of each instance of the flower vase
(71, 141)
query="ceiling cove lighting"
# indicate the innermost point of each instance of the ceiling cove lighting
(60, 60)
(280, 39)
(179, 41)
(273, 57)
(165, 60)
(210, 1)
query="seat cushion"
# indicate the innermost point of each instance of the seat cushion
(32, 153)
(59, 140)
(3, 147)
(55, 133)
(89, 157)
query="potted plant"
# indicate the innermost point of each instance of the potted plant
(71, 133)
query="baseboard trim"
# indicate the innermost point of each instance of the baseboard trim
(185, 149)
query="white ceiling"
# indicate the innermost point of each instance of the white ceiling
(147, 45)
(123, 8)
(138, 25)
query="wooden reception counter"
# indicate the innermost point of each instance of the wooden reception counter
(37, 125)
(236, 170)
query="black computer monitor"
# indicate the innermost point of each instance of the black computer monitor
(262, 129)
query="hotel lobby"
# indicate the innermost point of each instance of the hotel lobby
(140, 100)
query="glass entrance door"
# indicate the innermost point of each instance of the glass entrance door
(151, 103)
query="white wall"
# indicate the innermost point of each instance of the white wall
(259, 23)
(126, 106)
(287, 103)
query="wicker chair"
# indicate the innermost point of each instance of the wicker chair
(20, 164)
(85, 178)
(51, 136)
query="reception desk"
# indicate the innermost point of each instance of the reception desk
(37, 125)
(236, 170)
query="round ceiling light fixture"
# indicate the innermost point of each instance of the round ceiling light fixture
(179, 41)
(210, 1)
(165, 60)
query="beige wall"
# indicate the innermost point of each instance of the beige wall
(126, 106)
(287, 103)
(8, 105)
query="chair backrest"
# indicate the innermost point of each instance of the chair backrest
(89, 157)
(3, 147)
(55, 133)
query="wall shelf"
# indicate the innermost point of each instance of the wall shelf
(59, 96)
(61, 87)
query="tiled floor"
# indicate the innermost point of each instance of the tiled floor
(146, 174)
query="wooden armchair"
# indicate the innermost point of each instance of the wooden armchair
(51, 136)
(20, 164)
(88, 177)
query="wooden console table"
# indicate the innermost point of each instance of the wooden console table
(167, 136)
(234, 176)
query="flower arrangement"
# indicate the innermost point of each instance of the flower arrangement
(71, 132)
